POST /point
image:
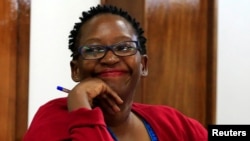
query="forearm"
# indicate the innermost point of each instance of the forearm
(88, 125)
(53, 123)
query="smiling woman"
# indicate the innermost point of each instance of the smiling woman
(100, 106)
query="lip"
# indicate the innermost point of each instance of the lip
(112, 73)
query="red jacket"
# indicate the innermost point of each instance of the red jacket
(53, 122)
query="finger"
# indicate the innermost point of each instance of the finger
(113, 94)
(108, 102)
(100, 87)
(112, 103)
(106, 107)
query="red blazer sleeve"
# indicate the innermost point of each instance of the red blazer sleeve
(90, 127)
(53, 122)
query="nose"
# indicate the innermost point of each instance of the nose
(110, 58)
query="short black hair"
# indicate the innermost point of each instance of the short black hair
(101, 9)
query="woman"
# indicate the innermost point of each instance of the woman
(109, 58)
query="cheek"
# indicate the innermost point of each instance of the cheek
(136, 64)
(86, 68)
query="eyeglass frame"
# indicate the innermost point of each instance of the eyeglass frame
(110, 48)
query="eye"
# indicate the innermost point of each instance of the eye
(87, 49)
(126, 47)
(92, 49)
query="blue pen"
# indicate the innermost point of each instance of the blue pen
(63, 89)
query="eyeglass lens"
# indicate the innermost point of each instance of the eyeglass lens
(98, 51)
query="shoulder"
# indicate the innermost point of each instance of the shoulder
(55, 104)
(61, 102)
(148, 107)
(51, 110)
(160, 112)
(168, 121)
(51, 118)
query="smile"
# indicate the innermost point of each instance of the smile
(112, 74)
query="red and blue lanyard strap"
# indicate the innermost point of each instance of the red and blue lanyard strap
(151, 132)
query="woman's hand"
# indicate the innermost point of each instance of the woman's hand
(93, 92)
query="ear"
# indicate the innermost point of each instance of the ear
(144, 65)
(75, 71)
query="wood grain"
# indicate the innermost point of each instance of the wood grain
(14, 62)
(23, 37)
(181, 48)
(8, 29)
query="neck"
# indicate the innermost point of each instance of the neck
(121, 127)
(122, 117)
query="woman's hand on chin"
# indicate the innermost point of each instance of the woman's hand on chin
(93, 92)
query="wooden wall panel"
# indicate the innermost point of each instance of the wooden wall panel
(22, 79)
(8, 45)
(178, 55)
(14, 54)
(211, 62)
(181, 49)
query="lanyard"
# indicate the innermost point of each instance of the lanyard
(112, 134)
(151, 132)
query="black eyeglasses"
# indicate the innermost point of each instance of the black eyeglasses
(125, 48)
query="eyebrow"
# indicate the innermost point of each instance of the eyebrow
(99, 41)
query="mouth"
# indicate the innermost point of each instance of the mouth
(112, 73)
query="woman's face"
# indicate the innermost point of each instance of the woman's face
(122, 74)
